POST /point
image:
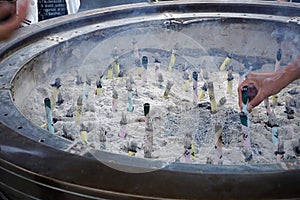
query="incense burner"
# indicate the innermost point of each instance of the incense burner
(35, 163)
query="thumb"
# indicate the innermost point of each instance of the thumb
(256, 101)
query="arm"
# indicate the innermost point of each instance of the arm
(11, 19)
(268, 84)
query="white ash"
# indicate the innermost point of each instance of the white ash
(171, 117)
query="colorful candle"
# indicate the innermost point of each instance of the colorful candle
(186, 79)
(146, 112)
(98, 87)
(135, 50)
(195, 87)
(168, 88)
(187, 147)
(211, 93)
(115, 101)
(193, 153)
(267, 106)
(277, 67)
(78, 110)
(137, 58)
(123, 124)
(84, 134)
(102, 139)
(290, 112)
(202, 91)
(278, 59)
(115, 62)
(273, 123)
(229, 81)
(157, 68)
(86, 90)
(78, 79)
(149, 140)
(144, 72)
(222, 101)
(280, 152)
(296, 148)
(59, 99)
(50, 126)
(160, 80)
(218, 143)
(241, 77)
(187, 154)
(246, 123)
(172, 60)
(225, 63)
(109, 72)
(55, 86)
(132, 149)
(130, 102)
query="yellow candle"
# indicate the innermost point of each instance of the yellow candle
(225, 63)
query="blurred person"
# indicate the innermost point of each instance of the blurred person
(268, 84)
(9, 20)
(40, 10)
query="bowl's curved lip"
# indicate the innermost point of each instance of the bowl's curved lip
(53, 169)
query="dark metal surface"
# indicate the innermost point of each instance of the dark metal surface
(30, 169)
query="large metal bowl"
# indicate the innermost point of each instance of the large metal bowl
(34, 164)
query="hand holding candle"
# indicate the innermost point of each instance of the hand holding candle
(267, 84)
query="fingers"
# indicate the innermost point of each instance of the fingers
(255, 95)
(256, 101)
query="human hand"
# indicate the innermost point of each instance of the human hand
(267, 84)
(11, 19)
(260, 87)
